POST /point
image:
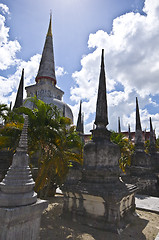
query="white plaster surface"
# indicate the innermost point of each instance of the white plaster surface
(50, 94)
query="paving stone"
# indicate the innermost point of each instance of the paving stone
(148, 203)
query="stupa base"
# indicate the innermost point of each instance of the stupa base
(103, 206)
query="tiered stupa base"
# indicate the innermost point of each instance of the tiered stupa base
(147, 184)
(140, 163)
(107, 206)
(142, 174)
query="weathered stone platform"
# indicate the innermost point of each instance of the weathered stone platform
(100, 206)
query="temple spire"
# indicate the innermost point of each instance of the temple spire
(129, 132)
(101, 119)
(119, 127)
(49, 33)
(151, 128)
(139, 143)
(152, 138)
(47, 66)
(138, 123)
(79, 127)
(19, 97)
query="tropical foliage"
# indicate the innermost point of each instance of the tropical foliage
(51, 137)
(126, 148)
(9, 136)
(11, 126)
(3, 112)
(55, 140)
(147, 146)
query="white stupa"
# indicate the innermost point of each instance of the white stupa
(45, 88)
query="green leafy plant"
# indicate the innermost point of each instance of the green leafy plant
(126, 148)
(3, 112)
(147, 146)
(9, 136)
(55, 140)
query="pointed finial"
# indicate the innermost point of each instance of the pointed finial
(49, 33)
(10, 106)
(151, 128)
(47, 63)
(129, 133)
(119, 127)
(80, 106)
(101, 119)
(138, 123)
(139, 142)
(152, 147)
(102, 59)
(19, 96)
(79, 126)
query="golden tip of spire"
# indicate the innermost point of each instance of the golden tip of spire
(49, 33)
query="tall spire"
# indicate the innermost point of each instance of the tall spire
(139, 143)
(152, 138)
(129, 132)
(138, 123)
(47, 65)
(119, 127)
(151, 128)
(19, 97)
(49, 33)
(101, 119)
(79, 126)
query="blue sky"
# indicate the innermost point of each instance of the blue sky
(128, 31)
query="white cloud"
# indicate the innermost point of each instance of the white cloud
(11, 83)
(4, 8)
(60, 71)
(8, 58)
(132, 66)
(8, 49)
(8, 54)
(30, 69)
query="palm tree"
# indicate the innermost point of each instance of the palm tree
(11, 128)
(3, 112)
(126, 149)
(56, 141)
